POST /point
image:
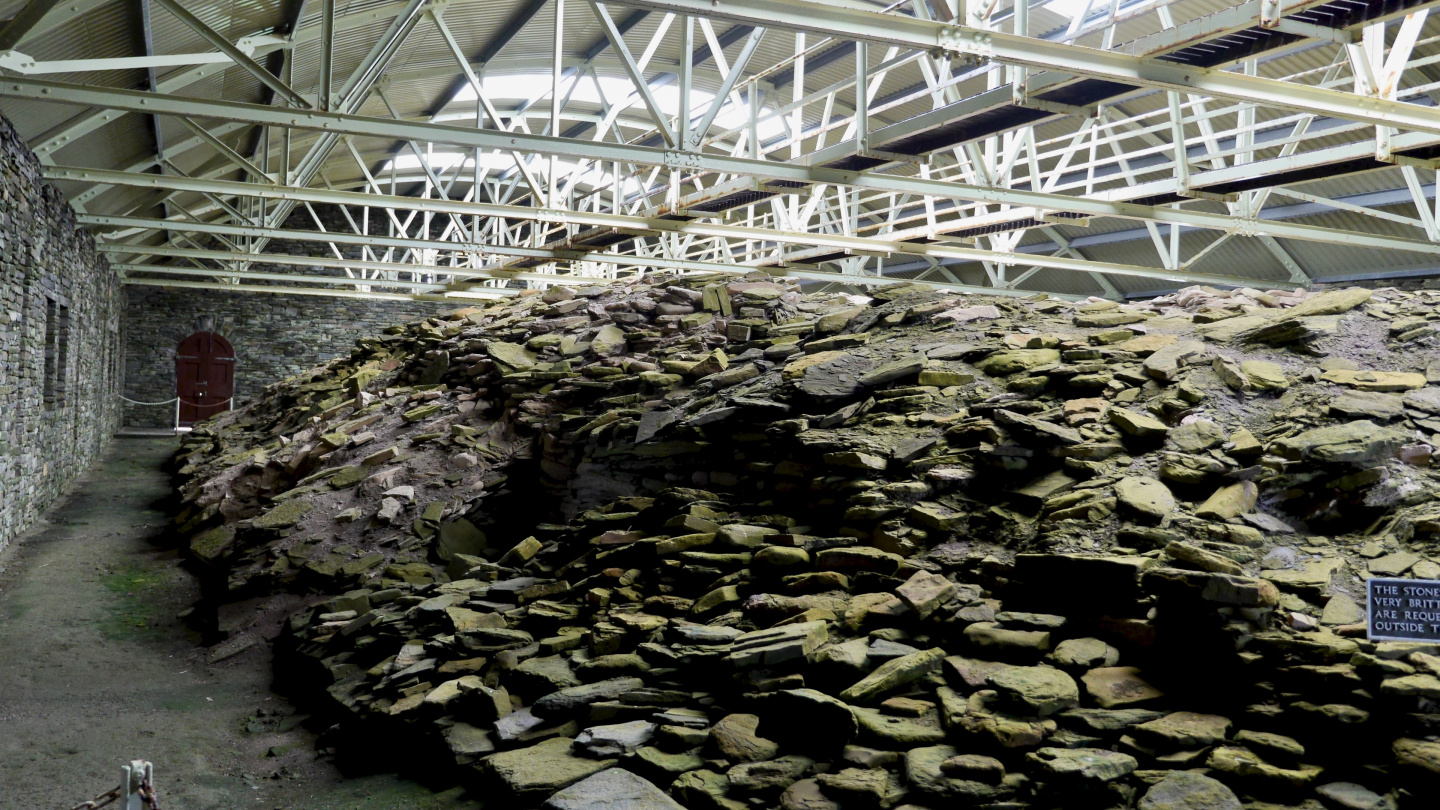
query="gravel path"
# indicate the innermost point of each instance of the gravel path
(96, 670)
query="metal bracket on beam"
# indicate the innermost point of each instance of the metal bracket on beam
(973, 42)
(1313, 31)
(1271, 13)
(1031, 102)
(1196, 194)
(686, 213)
(957, 241)
(553, 216)
(1384, 155)
(894, 157)
(677, 159)
(16, 61)
(1059, 218)
(1244, 227)
(869, 254)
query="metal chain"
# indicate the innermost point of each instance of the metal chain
(102, 800)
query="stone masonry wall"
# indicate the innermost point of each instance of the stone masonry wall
(274, 336)
(60, 342)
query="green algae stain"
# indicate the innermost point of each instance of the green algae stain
(133, 610)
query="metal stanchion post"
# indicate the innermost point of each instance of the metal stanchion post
(137, 785)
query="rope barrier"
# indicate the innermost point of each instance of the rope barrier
(137, 402)
(177, 401)
(230, 401)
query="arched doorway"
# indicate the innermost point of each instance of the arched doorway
(204, 376)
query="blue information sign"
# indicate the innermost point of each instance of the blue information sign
(1403, 610)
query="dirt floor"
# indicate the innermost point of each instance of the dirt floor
(96, 669)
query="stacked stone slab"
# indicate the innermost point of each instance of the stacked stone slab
(710, 542)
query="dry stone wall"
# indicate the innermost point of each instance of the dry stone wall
(60, 342)
(274, 335)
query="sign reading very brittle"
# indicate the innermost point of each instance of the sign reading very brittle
(1403, 610)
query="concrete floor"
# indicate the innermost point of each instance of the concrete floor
(96, 670)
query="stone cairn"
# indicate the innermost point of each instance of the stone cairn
(711, 542)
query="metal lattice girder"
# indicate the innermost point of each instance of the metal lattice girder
(487, 293)
(251, 275)
(461, 290)
(1274, 15)
(47, 144)
(361, 264)
(809, 273)
(1056, 202)
(985, 183)
(1176, 216)
(353, 94)
(1277, 168)
(893, 29)
(473, 294)
(335, 124)
(236, 55)
(358, 240)
(862, 245)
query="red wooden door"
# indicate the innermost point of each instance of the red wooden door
(204, 376)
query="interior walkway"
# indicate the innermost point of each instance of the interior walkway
(97, 669)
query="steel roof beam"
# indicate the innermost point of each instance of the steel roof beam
(634, 71)
(1343, 238)
(338, 238)
(213, 228)
(356, 240)
(223, 148)
(65, 134)
(331, 262)
(477, 294)
(327, 53)
(21, 24)
(152, 79)
(279, 60)
(1370, 199)
(334, 124)
(864, 245)
(351, 96)
(493, 48)
(224, 45)
(1011, 49)
(206, 272)
(808, 274)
